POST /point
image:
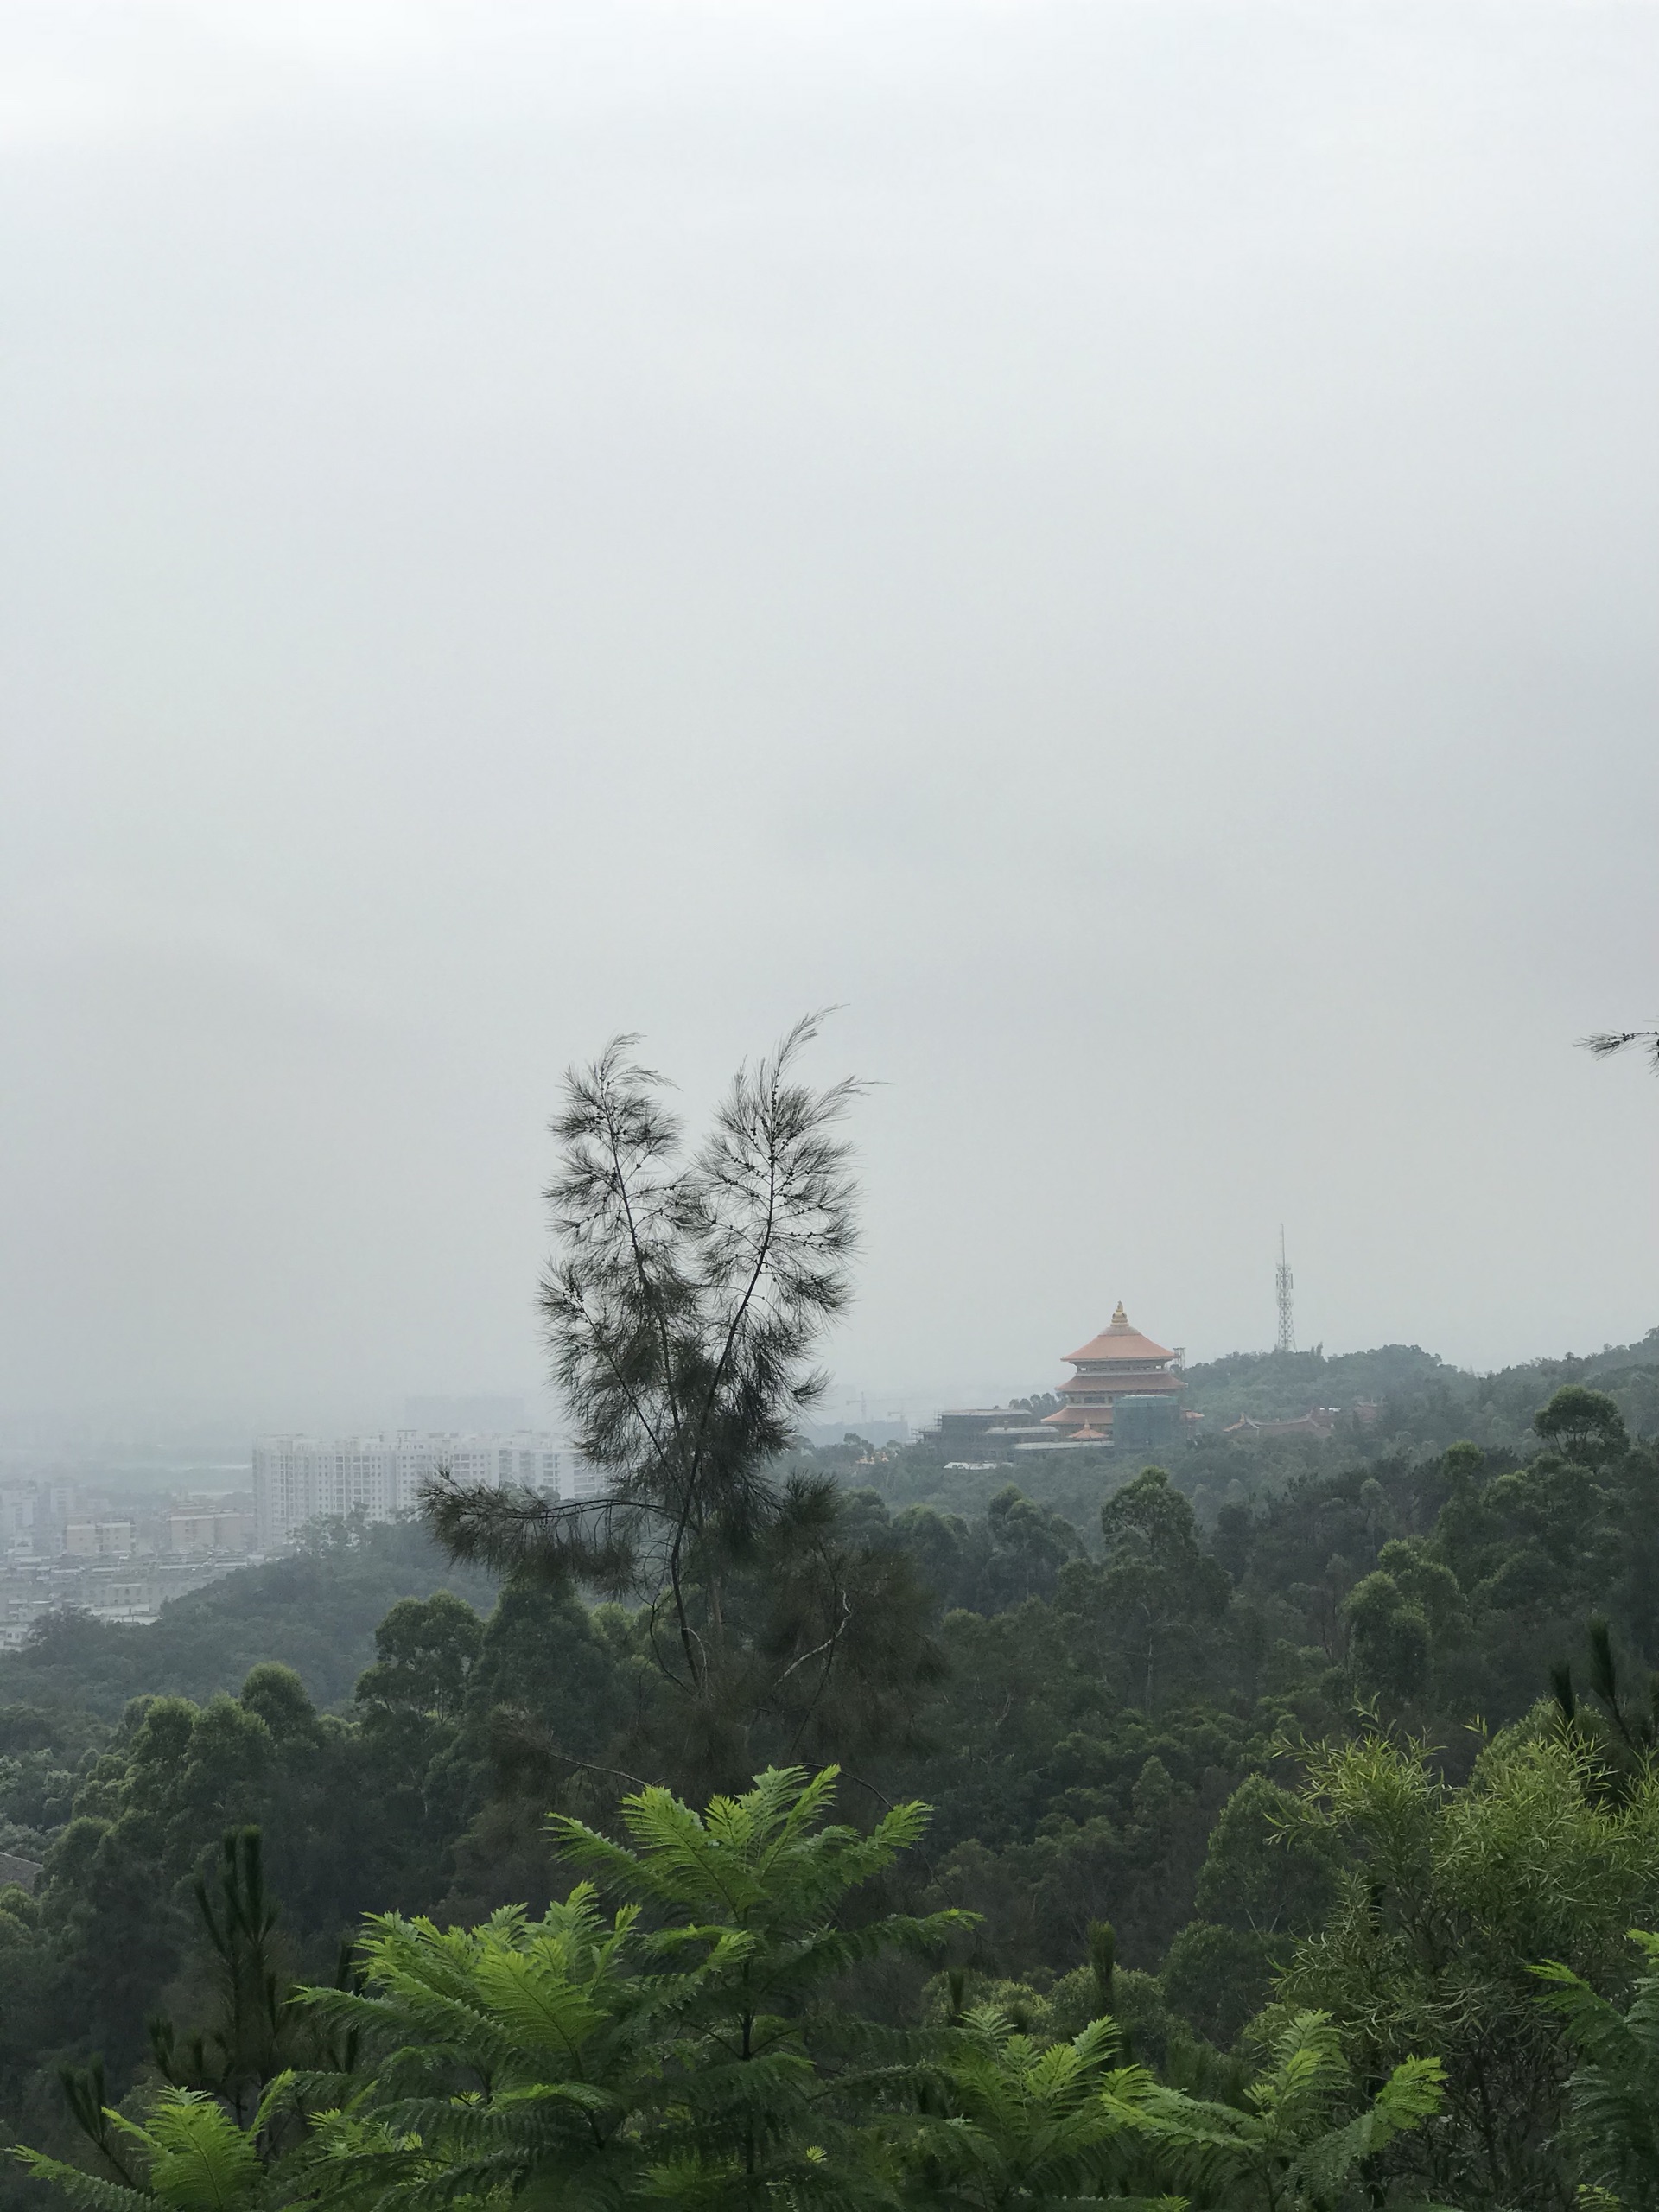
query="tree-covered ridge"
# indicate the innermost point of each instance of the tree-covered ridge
(1410, 1392)
(315, 1611)
(1391, 1404)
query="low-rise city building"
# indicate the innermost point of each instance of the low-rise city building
(99, 1538)
(129, 1593)
(203, 1530)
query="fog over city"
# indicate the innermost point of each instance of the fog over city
(1116, 545)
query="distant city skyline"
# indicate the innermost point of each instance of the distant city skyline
(846, 1407)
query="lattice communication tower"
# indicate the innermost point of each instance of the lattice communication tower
(1284, 1282)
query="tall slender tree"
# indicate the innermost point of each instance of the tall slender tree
(685, 1298)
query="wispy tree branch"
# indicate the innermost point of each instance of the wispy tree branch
(1607, 1042)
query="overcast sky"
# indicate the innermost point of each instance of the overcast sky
(1117, 542)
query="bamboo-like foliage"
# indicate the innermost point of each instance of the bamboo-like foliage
(1454, 1893)
(685, 1298)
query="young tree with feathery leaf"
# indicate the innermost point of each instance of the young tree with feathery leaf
(686, 2051)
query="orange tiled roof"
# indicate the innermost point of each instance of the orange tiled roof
(1073, 1418)
(1120, 1341)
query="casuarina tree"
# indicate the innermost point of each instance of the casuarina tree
(687, 1291)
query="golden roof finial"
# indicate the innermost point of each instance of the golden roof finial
(1120, 1320)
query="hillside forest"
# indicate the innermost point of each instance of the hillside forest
(1276, 1828)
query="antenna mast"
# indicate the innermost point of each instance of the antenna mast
(1284, 1283)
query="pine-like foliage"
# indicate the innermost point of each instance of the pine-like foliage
(229, 2128)
(1602, 1046)
(1615, 2091)
(683, 1306)
(258, 2028)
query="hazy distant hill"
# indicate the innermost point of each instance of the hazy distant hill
(316, 1612)
(1419, 1394)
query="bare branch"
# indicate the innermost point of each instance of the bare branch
(829, 1644)
(597, 1766)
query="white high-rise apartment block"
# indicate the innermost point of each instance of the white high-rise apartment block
(301, 1479)
(32, 1516)
(18, 1502)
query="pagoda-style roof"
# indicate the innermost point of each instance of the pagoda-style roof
(1073, 1419)
(1119, 1341)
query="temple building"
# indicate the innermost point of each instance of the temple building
(1119, 1365)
